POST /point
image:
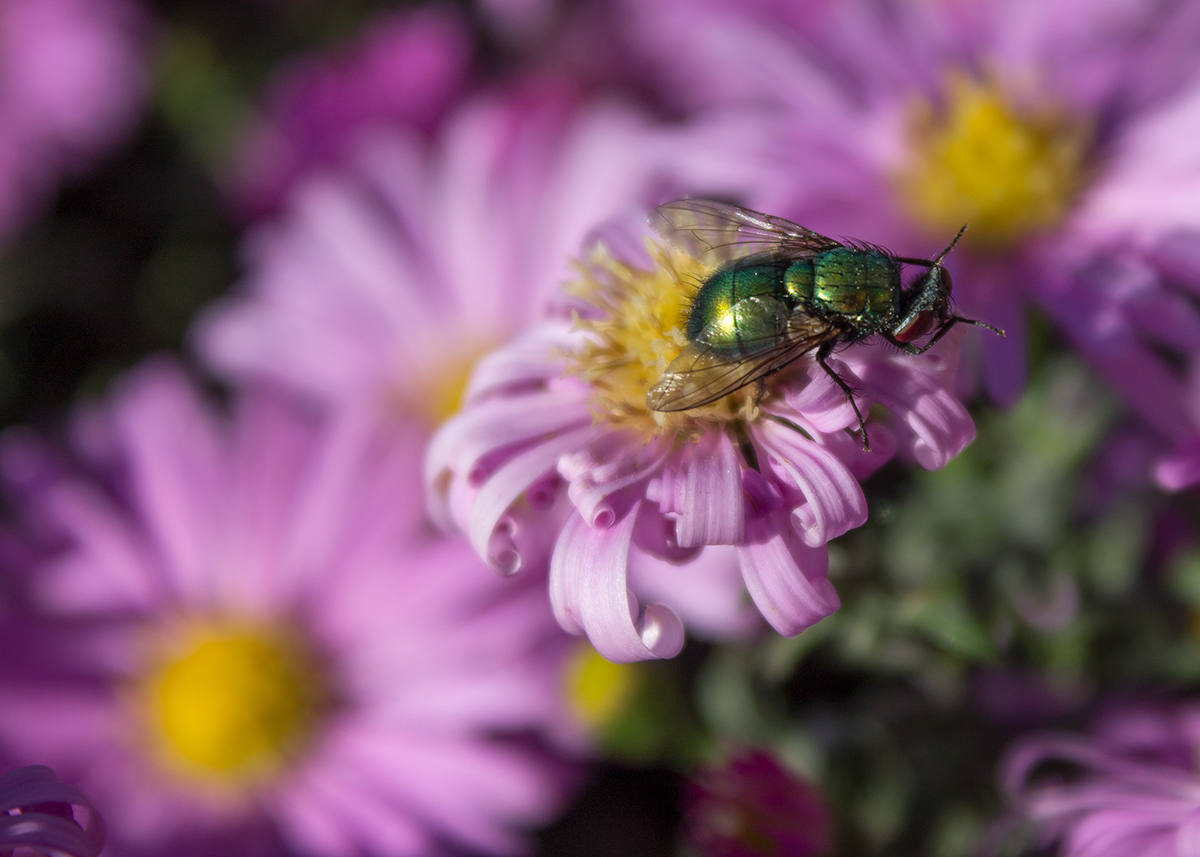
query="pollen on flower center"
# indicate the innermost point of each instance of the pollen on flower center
(978, 160)
(231, 702)
(637, 332)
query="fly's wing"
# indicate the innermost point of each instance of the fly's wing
(717, 232)
(700, 374)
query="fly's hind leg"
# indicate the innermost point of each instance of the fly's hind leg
(823, 353)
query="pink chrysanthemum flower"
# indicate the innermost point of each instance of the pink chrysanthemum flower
(36, 812)
(556, 457)
(1051, 127)
(1135, 791)
(385, 281)
(247, 633)
(72, 78)
(406, 69)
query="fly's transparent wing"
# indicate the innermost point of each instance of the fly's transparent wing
(716, 232)
(701, 374)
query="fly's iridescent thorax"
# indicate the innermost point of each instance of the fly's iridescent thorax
(860, 286)
(743, 307)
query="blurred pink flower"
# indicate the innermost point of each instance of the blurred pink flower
(752, 807)
(1136, 792)
(246, 625)
(555, 457)
(36, 813)
(1052, 128)
(406, 69)
(385, 281)
(72, 80)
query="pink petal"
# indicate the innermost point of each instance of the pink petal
(109, 568)
(305, 820)
(497, 495)
(834, 501)
(786, 578)
(940, 426)
(822, 403)
(598, 471)
(466, 443)
(707, 485)
(707, 592)
(589, 594)
(531, 358)
(176, 461)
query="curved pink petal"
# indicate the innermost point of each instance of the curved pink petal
(712, 510)
(465, 444)
(834, 501)
(598, 471)
(786, 578)
(589, 594)
(706, 592)
(702, 486)
(938, 424)
(822, 402)
(484, 528)
(531, 358)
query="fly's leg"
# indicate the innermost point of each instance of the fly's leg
(824, 352)
(742, 439)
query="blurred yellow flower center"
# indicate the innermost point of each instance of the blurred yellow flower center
(437, 394)
(230, 703)
(1005, 172)
(638, 332)
(598, 690)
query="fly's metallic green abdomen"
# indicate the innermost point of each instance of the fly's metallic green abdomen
(744, 307)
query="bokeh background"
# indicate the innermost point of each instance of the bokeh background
(1046, 577)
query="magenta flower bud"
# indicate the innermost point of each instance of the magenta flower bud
(751, 807)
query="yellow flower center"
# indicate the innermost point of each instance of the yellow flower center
(978, 160)
(598, 690)
(230, 703)
(437, 393)
(639, 331)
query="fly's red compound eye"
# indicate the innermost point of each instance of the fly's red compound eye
(921, 324)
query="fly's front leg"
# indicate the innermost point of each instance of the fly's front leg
(824, 352)
(909, 348)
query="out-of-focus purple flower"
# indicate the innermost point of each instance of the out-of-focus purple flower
(72, 79)
(405, 70)
(386, 281)
(1135, 791)
(36, 813)
(752, 807)
(1051, 128)
(1131, 310)
(556, 457)
(245, 627)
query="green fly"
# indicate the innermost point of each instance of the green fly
(780, 291)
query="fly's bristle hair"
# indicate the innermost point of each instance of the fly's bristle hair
(868, 247)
